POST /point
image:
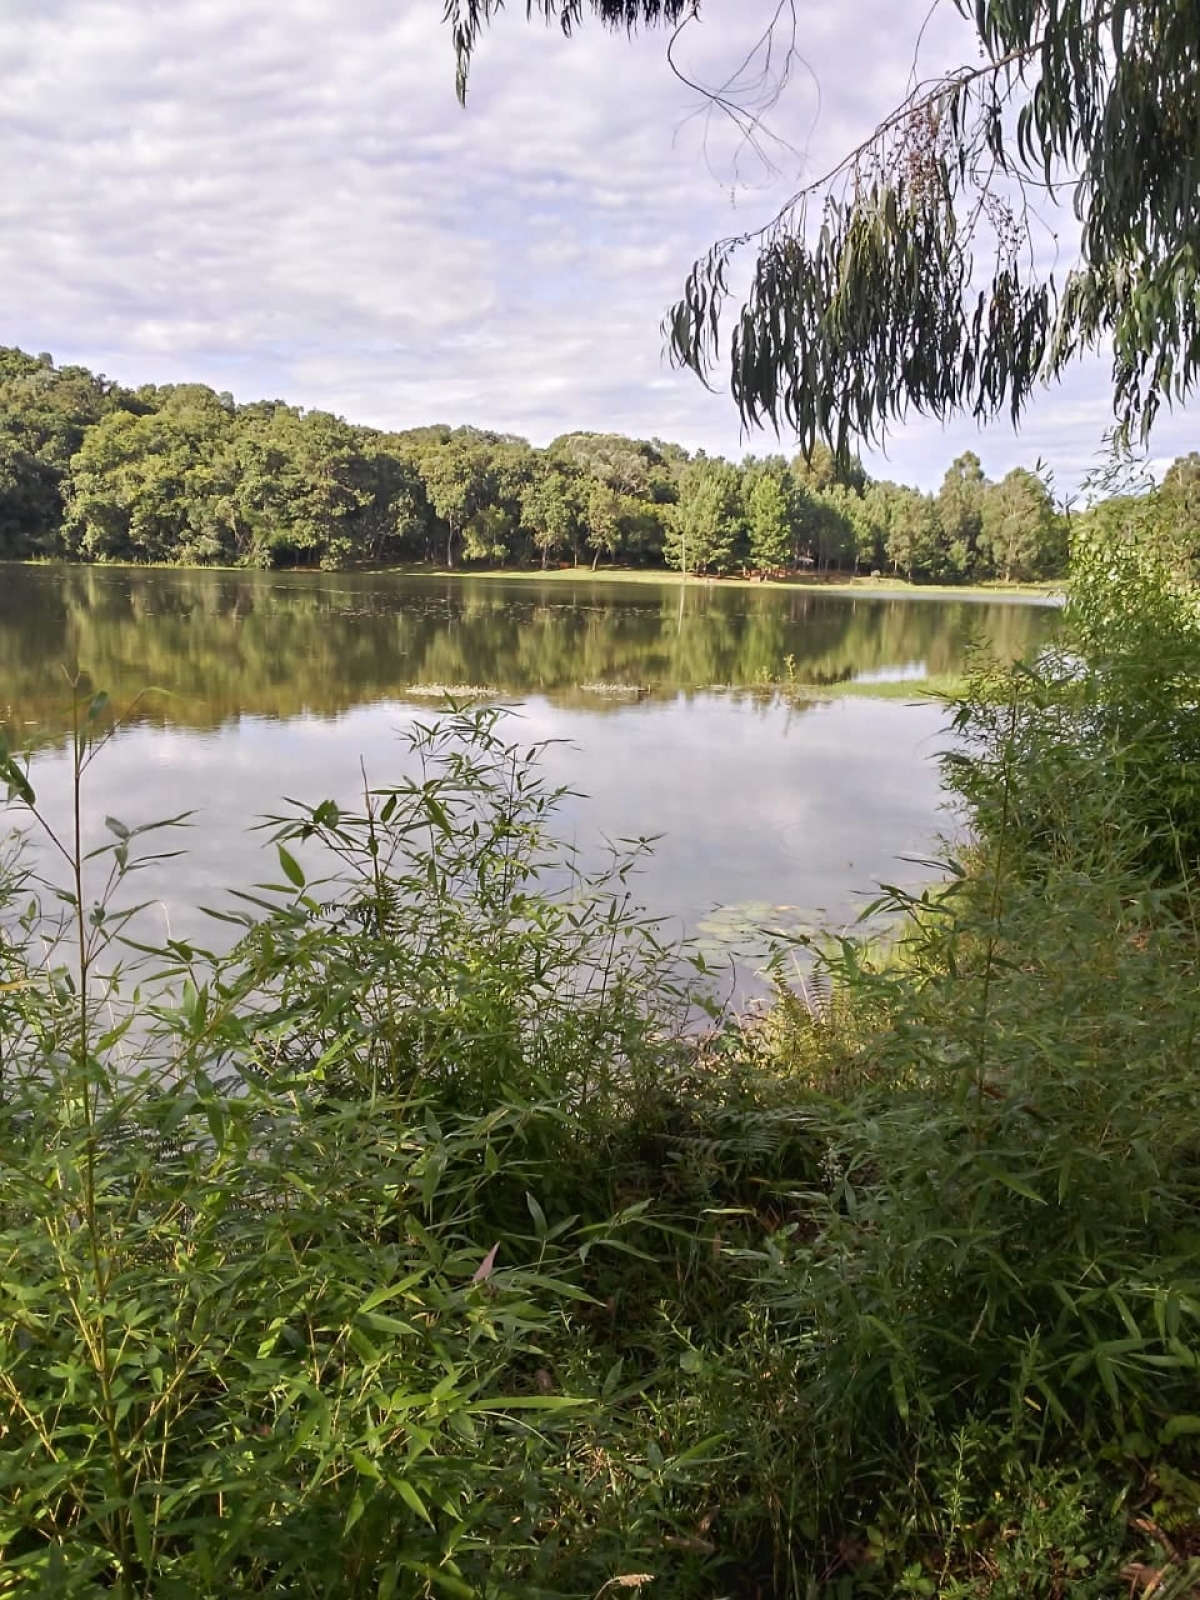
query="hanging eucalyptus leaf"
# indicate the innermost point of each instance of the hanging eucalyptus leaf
(908, 279)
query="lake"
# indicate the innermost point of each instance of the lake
(244, 687)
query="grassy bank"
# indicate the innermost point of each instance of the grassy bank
(878, 689)
(840, 584)
(425, 1245)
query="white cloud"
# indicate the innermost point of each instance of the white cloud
(287, 201)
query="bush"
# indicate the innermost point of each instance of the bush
(1003, 1240)
(435, 1240)
(286, 1264)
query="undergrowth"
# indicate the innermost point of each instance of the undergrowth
(421, 1242)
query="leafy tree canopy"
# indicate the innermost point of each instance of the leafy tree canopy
(904, 279)
(180, 473)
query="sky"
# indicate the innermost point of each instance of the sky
(283, 199)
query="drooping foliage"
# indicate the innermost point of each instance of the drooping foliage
(1084, 100)
(866, 299)
(468, 18)
(906, 278)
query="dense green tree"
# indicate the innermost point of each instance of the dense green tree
(770, 516)
(397, 523)
(871, 527)
(631, 466)
(550, 510)
(819, 469)
(306, 480)
(960, 512)
(498, 529)
(458, 480)
(1181, 484)
(1178, 513)
(912, 532)
(1021, 535)
(31, 506)
(626, 521)
(180, 473)
(706, 526)
(869, 533)
(156, 487)
(644, 529)
(488, 536)
(836, 535)
(44, 413)
(602, 520)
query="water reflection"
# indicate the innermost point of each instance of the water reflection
(269, 685)
(750, 806)
(215, 645)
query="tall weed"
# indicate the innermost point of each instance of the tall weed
(420, 1243)
(1004, 1236)
(283, 1263)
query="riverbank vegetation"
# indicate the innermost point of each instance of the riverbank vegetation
(92, 471)
(830, 583)
(435, 1241)
(425, 1244)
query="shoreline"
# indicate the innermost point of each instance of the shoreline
(884, 588)
(1049, 593)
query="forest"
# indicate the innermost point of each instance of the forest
(93, 471)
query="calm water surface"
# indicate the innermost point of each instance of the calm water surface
(255, 686)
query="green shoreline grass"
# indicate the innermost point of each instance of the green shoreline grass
(935, 686)
(882, 588)
(798, 693)
(899, 689)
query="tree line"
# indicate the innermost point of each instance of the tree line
(93, 471)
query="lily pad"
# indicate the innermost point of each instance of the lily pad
(748, 930)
